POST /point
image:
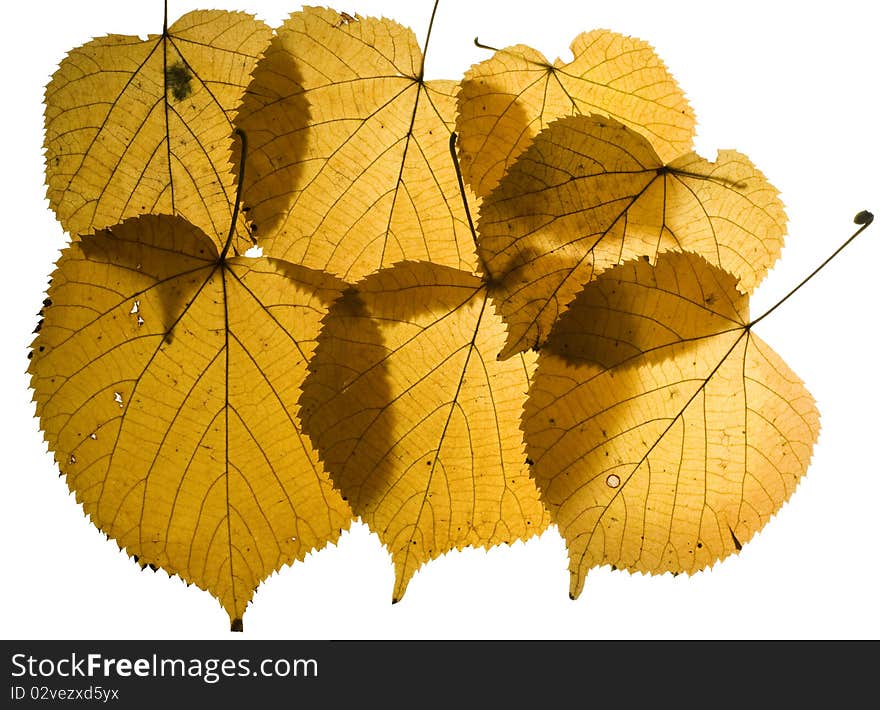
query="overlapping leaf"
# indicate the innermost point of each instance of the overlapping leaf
(367, 179)
(664, 432)
(507, 99)
(144, 126)
(416, 420)
(166, 383)
(590, 193)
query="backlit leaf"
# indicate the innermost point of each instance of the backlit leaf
(507, 99)
(166, 382)
(590, 193)
(415, 418)
(365, 179)
(664, 432)
(144, 126)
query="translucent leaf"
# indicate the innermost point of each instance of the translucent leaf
(590, 193)
(350, 167)
(664, 432)
(166, 383)
(416, 420)
(144, 126)
(507, 99)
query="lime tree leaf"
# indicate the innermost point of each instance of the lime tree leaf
(590, 193)
(166, 382)
(415, 418)
(144, 126)
(664, 432)
(507, 99)
(365, 179)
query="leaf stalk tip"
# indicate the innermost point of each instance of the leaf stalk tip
(864, 218)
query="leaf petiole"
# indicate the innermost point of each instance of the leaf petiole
(484, 46)
(453, 137)
(863, 218)
(241, 134)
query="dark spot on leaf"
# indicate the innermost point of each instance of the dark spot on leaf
(177, 79)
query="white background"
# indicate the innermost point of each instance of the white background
(794, 86)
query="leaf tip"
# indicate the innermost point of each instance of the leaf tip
(237, 624)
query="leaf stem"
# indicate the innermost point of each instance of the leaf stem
(453, 137)
(864, 218)
(241, 134)
(165, 105)
(485, 46)
(428, 40)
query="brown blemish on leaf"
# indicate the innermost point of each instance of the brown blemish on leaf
(178, 80)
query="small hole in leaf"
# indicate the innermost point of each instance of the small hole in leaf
(613, 481)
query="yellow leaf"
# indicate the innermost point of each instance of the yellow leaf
(416, 420)
(366, 178)
(166, 383)
(144, 126)
(590, 193)
(664, 432)
(507, 99)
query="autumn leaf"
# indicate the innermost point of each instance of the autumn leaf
(415, 418)
(507, 99)
(664, 432)
(365, 180)
(166, 380)
(144, 126)
(590, 193)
